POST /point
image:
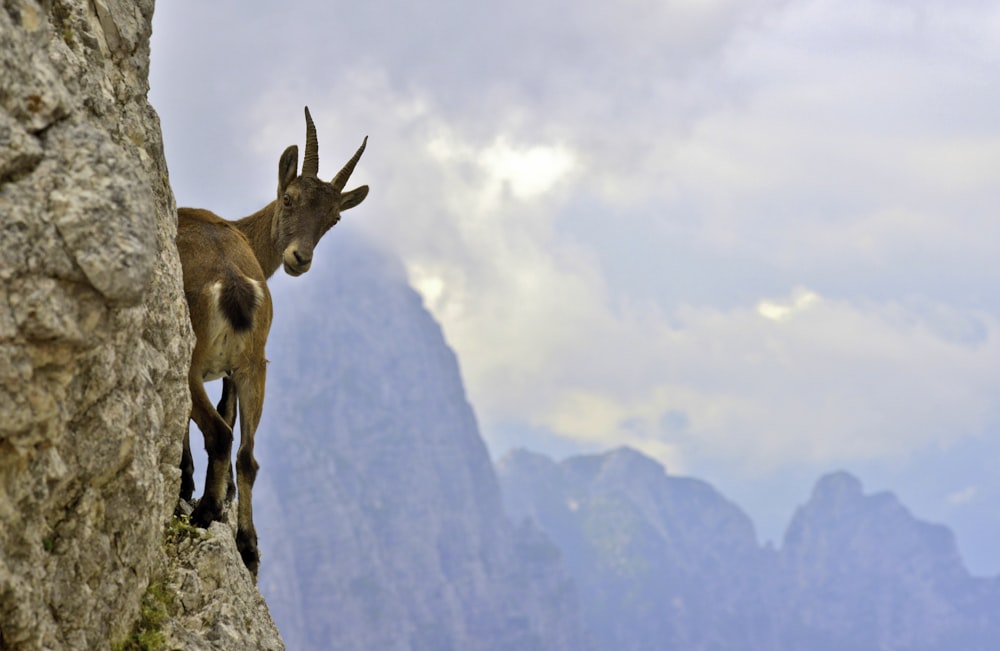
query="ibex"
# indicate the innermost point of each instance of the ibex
(226, 266)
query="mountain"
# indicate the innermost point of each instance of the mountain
(860, 572)
(380, 517)
(661, 562)
(666, 562)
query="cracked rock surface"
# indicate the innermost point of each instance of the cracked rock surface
(94, 334)
(216, 606)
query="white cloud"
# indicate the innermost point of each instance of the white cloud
(781, 310)
(530, 171)
(849, 149)
(963, 497)
(545, 340)
(526, 171)
(837, 383)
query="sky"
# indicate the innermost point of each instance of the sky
(754, 239)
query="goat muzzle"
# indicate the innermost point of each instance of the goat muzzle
(296, 262)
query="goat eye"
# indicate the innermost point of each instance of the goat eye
(286, 199)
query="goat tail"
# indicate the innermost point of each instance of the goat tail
(239, 298)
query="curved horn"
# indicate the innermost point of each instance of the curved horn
(310, 163)
(340, 180)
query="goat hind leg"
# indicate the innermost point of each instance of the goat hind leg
(227, 409)
(219, 445)
(187, 467)
(251, 401)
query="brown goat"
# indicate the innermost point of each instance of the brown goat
(226, 266)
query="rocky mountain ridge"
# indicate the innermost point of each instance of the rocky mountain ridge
(370, 452)
(667, 562)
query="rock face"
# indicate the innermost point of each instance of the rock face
(94, 334)
(370, 452)
(666, 562)
(213, 604)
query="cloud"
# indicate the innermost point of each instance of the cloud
(756, 232)
(963, 497)
(780, 311)
(828, 383)
(526, 172)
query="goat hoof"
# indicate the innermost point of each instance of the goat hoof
(207, 512)
(187, 487)
(246, 543)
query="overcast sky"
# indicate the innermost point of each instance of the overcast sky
(755, 239)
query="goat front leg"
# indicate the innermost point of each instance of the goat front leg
(251, 401)
(219, 446)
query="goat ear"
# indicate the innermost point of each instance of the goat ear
(288, 167)
(353, 198)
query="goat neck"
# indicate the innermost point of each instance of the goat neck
(258, 230)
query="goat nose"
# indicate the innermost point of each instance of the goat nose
(301, 259)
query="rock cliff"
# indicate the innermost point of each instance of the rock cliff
(94, 334)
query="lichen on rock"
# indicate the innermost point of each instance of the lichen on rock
(216, 605)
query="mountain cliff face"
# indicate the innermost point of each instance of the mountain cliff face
(666, 562)
(661, 562)
(370, 452)
(94, 334)
(861, 572)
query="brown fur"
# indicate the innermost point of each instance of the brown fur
(226, 266)
(216, 257)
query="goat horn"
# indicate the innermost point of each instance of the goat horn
(340, 180)
(310, 163)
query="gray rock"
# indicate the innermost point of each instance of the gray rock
(94, 333)
(215, 605)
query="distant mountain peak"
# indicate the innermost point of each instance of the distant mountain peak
(623, 463)
(633, 460)
(523, 457)
(668, 562)
(837, 486)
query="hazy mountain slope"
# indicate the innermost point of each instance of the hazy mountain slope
(861, 572)
(382, 526)
(661, 562)
(380, 515)
(666, 562)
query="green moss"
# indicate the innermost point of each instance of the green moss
(180, 528)
(62, 18)
(158, 603)
(156, 606)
